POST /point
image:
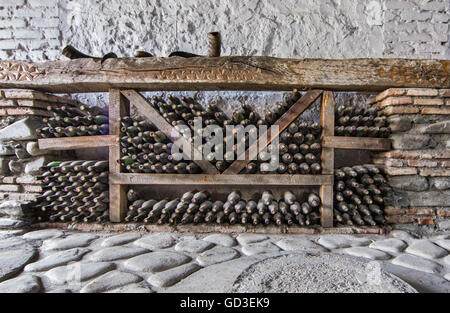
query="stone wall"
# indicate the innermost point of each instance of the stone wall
(418, 165)
(21, 113)
(29, 30)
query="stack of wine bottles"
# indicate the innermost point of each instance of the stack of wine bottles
(198, 207)
(183, 112)
(359, 193)
(74, 191)
(299, 152)
(145, 149)
(359, 122)
(247, 116)
(68, 121)
(274, 112)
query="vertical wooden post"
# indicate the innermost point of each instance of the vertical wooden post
(326, 191)
(118, 107)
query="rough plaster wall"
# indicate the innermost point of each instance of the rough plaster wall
(308, 28)
(38, 29)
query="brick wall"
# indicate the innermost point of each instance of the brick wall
(29, 30)
(418, 166)
(416, 28)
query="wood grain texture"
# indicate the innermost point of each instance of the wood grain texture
(231, 180)
(81, 142)
(363, 143)
(145, 108)
(326, 210)
(224, 73)
(327, 122)
(284, 121)
(117, 202)
(118, 107)
(327, 157)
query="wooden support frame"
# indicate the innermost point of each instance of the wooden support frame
(363, 143)
(118, 106)
(223, 180)
(81, 142)
(120, 102)
(211, 176)
(326, 191)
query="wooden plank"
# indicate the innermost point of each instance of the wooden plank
(81, 142)
(326, 210)
(35, 95)
(147, 110)
(118, 107)
(327, 157)
(232, 180)
(224, 73)
(363, 143)
(287, 118)
(327, 122)
(24, 111)
(117, 203)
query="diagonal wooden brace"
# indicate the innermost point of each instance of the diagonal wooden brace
(145, 108)
(284, 121)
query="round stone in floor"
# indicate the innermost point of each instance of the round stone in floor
(318, 273)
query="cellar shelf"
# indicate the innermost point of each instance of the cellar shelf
(357, 143)
(81, 142)
(227, 180)
(225, 73)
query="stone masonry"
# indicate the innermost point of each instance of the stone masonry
(52, 260)
(418, 165)
(21, 113)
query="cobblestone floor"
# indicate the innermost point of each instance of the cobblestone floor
(53, 260)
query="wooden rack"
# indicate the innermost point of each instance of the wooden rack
(123, 77)
(119, 106)
(120, 101)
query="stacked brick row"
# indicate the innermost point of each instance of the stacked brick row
(416, 27)
(21, 113)
(418, 166)
(29, 30)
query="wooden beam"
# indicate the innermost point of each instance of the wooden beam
(224, 73)
(327, 157)
(326, 209)
(229, 180)
(362, 143)
(327, 122)
(147, 110)
(284, 121)
(118, 107)
(118, 205)
(81, 142)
